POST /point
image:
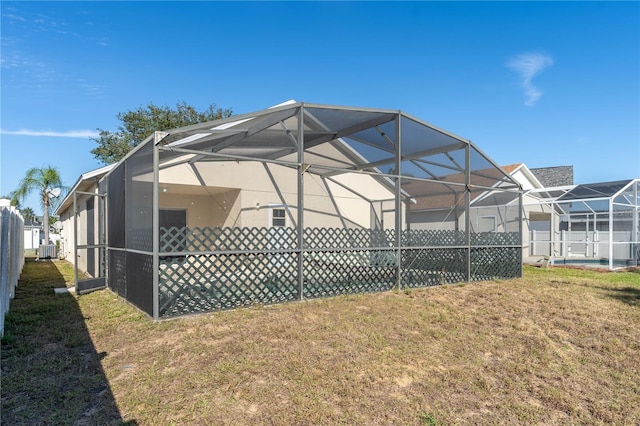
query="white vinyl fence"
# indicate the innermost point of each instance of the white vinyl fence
(587, 244)
(11, 255)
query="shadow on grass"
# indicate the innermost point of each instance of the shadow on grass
(51, 371)
(628, 295)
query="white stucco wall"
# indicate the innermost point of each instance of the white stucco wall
(242, 193)
(67, 243)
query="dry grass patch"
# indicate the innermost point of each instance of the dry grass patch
(557, 346)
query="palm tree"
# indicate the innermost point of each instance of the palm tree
(45, 180)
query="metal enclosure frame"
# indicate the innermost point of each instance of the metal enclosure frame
(336, 157)
(593, 224)
(98, 281)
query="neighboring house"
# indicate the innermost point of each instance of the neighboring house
(551, 177)
(32, 235)
(584, 224)
(490, 211)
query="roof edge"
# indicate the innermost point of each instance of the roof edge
(99, 172)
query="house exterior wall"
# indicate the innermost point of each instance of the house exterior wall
(435, 220)
(494, 219)
(221, 210)
(243, 193)
(32, 236)
(68, 242)
(482, 219)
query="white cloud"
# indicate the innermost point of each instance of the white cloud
(50, 133)
(95, 90)
(13, 17)
(529, 65)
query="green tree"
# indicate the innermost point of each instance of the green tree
(13, 201)
(138, 124)
(47, 182)
(28, 214)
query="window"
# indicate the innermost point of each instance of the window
(486, 224)
(278, 217)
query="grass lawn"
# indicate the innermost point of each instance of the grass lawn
(559, 346)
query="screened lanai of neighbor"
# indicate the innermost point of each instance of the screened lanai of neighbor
(299, 201)
(590, 224)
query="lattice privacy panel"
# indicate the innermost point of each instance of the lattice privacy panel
(335, 261)
(345, 272)
(495, 262)
(429, 238)
(323, 238)
(433, 266)
(496, 239)
(204, 283)
(280, 238)
(227, 239)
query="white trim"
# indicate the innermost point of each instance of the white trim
(84, 177)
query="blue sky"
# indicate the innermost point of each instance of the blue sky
(544, 83)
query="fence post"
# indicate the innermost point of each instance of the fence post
(4, 289)
(532, 242)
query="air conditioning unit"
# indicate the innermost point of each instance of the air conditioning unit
(47, 251)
